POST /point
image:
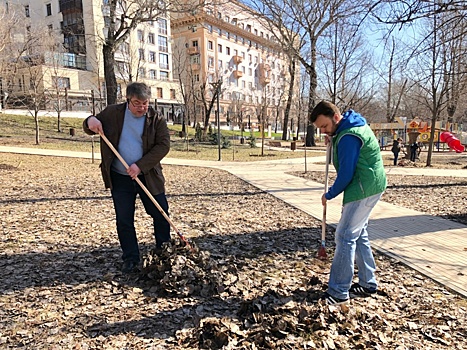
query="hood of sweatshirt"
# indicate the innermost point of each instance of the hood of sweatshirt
(350, 119)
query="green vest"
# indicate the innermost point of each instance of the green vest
(369, 178)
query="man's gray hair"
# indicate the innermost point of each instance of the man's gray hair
(139, 90)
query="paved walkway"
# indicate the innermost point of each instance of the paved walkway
(433, 246)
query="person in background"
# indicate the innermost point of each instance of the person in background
(141, 136)
(362, 179)
(396, 148)
(413, 150)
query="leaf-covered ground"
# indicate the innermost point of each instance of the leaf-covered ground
(251, 285)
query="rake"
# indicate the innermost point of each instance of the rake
(322, 249)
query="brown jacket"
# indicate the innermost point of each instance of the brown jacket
(156, 144)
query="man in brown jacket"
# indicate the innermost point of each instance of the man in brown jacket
(141, 136)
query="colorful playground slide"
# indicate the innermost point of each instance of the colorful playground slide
(452, 141)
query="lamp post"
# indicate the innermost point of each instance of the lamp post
(217, 87)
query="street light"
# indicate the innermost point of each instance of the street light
(217, 87)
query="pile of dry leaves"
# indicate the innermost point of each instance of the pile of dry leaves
(250, 282)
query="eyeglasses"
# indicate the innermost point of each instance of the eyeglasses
(140, 105)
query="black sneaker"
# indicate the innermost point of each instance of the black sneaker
(357, 291)
(129, 266)
(330, 300)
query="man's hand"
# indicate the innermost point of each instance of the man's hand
(95, 125)
(323, 200)
(133, 171)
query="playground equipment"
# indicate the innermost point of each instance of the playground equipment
(452, 141)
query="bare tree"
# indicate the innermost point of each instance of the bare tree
(300, 25)
(346, 65)
(123, 17)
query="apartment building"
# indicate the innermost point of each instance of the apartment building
(76, 72)
(224, 42)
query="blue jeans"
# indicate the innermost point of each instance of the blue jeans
(124, 191)
(353, 245)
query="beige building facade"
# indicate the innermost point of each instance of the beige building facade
(226, 43)
(76, 72)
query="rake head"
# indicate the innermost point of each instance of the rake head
(322, 255)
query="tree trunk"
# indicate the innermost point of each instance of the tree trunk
(310, 135)
(289, 99)
(36, 124)
(109, 74)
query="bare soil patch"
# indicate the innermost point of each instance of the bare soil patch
(61, 286)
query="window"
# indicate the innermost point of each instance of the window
(163, 61)
(172, 94)
(243, 84)
(210, 61)
(140, 36)
(124, 48)
(219, 31)
(141, 54)
(209, 28)
(164, 75)
(195, 59)
(219, 63)
(194, 43)
(48, 9)
(151, 38)
(141, 73)
(61, 82)
(159, 92)
(227, 50)
(163, 44)
(152, 56)
(210, 45)
(162, 24)
(152, 74)
(50, 28)
(196, 77)
(26, 11)
(219, 48)
(250, 72)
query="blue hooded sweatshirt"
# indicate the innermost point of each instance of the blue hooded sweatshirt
(349, 151)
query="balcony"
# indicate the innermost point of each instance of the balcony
(237, 59)
(193, 50)
(263, 73)
(237, 74)
(195, 66)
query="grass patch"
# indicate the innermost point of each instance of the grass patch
(19, 131)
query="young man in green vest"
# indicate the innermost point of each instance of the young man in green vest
(362, 179)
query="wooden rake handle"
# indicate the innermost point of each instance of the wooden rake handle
(151, 197)
(326, 182)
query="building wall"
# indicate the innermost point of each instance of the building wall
(225, 42)
(85, 60)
